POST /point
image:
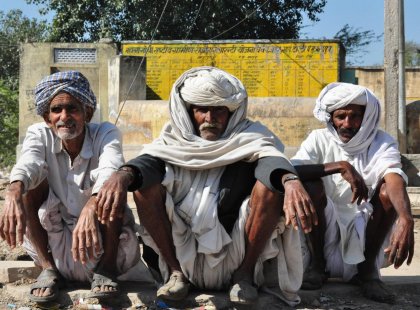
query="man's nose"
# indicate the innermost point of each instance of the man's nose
(64, 114)
(347, 123)
(209, 116)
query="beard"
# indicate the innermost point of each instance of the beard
(67, 133)
(205, 126)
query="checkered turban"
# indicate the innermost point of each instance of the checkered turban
(71, 82)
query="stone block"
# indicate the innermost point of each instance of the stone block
(11, 271)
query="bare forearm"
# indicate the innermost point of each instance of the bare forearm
(316, 171)
(398, 195)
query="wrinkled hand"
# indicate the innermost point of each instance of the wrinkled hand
(401, 243)
(298, 204)
(112, 197)
(358, 186)
(85, 234)
(13, 217)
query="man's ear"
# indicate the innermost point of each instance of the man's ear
(89, 113)
(46, 117)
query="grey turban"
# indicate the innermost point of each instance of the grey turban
(71, 82)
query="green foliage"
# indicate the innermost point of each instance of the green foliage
(89, 20)
(355, 40)
(412, 54)
(9, 125)
(14, 29)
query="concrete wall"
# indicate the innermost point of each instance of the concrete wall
(41, 59)
(291, 119)
(373, 78)
(127, 81)
(141, 120)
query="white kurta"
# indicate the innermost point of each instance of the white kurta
(207, 254)
(346, 222)
(71, 185)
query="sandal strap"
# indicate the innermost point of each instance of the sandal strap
(101, 279)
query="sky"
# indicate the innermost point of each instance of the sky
(363, 15)
(360, 14)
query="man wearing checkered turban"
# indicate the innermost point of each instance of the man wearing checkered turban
(50, 204)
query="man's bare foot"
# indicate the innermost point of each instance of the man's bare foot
(377, 290)
(313, 278)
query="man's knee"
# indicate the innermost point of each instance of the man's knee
(263, 194)
(34, 198)
(316, 191)
(381, 198)
(149, 197)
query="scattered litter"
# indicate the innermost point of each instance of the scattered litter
(83, 305)
(48, 305)
(324, 299)
(316, 303)
(162, 305)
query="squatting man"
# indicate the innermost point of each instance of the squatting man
(215, 195)
(365, 220)
(50, 203)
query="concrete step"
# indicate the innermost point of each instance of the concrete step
(142, 295)
(414, 194)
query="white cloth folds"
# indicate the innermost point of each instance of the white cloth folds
(207, 254)
(372, 152)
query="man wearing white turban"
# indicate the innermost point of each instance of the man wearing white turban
(215, 195)
(366, 217)
(50, 203)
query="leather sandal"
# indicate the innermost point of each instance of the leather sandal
(243, 292)
(175, 289)
(48, 278)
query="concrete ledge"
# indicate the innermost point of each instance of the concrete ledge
(414, 194)
(12, 271)
(138, 295)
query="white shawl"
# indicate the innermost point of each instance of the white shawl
(363, 147)
(193, 170)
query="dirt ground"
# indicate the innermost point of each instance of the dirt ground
(332, 296)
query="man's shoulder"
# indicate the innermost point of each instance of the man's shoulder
(38, 126)
(382, 135)
(319, 131)
(39, 129)
(319, 134)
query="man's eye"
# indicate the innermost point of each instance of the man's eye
(71, 108)
(56, 110)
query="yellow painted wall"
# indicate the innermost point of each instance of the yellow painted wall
(291, 69)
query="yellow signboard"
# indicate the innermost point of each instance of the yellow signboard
(292, 69)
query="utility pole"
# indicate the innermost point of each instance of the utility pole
(394, 70)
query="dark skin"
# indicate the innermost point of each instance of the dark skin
(210, 123)
(67, 118)
(391, 203)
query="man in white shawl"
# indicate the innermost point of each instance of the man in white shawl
(210, 193)
(366, 217)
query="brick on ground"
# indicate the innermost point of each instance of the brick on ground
(12, 271)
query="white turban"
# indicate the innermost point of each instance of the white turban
(207, 86)
(242, 139)
(338, 95)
